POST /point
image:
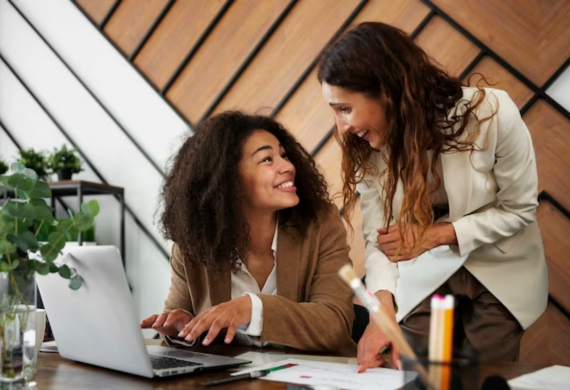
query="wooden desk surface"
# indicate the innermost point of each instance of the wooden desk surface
(55, 372)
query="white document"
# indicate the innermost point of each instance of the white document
(550, 378)
(259, 359)
(342, 376)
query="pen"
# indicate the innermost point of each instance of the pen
(249, 375)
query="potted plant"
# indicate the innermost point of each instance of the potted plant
(3, 167)
(65, 162)
(23, 216)
(35, 161)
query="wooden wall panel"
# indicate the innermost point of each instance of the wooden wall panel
(531, 35)
(551, 137)
(174, 38)
(287, 54)
(131, 21)
(501, 78)
(555, 227)
(447, 46)
(547, 341)
(222, 54)
(306, 113)
(96, 9)
(329, 161)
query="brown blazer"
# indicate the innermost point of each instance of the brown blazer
(313, 309)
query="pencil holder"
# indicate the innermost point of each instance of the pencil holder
(462, 373)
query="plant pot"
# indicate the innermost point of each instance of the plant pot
(18, 352)
(64, 174)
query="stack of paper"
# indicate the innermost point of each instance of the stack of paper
(343, 376)
(551, 378)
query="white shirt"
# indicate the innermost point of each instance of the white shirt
(244, 283)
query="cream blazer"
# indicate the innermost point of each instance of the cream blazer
(493, 196)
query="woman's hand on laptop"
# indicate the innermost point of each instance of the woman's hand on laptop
(169, 323)
(228, 315)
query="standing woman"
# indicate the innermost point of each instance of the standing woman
(448, 190)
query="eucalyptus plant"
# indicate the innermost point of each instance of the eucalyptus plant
(23, 216)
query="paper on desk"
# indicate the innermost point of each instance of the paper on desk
(332, 374)
(550, 378)
(262, 358)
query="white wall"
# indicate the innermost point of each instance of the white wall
(146, 117)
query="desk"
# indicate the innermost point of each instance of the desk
(62, 374)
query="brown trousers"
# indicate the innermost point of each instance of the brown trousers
(482, 323)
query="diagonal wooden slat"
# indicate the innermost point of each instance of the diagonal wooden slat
(222, 54)
(500, 78)
(174, 37)
(554, 227)
(96, 9)
(532, 35)
(447, 46)
(287, 54)
(130, 22)
(547, 341)
(550, 132)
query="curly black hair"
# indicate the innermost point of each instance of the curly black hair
(202, 194)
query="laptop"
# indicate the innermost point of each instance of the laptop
(97, 324)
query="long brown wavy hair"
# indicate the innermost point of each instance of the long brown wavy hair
(202, 193)
(374, 58)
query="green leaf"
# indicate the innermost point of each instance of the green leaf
(17, 167)
(42, 268)
(32, 264)
(23, 212)
(44, 212)
(31, 174)
(56, 242)
(75, 282)
(53, 268)
(91, 208)
(40, 190)
(64, 225)
(25, 241)
(20, 181)
(83, 221)
(6, 247)
(38, 202)
(5, 267)
(6, 225)
(64, 271)
(15, 264)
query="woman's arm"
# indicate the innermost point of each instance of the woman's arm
(517, 180)
(324, 323)
(179, 294)
(381, 273)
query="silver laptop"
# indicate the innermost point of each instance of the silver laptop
(97, 324)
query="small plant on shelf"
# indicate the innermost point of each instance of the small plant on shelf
(36, 161)
(65, 162)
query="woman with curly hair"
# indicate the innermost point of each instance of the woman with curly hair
(257, 242)
(447, 181)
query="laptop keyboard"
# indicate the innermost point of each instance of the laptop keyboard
(161, 362)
